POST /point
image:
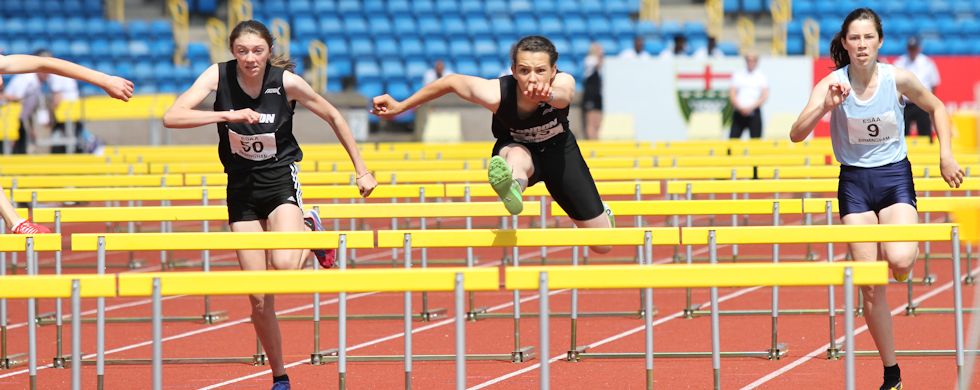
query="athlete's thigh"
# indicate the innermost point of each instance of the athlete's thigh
(862, 251)
(903, 214)
(250, 260)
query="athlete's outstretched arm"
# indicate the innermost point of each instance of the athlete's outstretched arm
(826, 95)
(182, 114)
(472, 89)
(114, 86)
(910, 86)
(559, 94)
(299, 90)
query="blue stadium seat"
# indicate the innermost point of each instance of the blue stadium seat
(138, 30)
(380, 25)
(453, 25)
(467, 66)
(422, 7)
(503, 27)
(119, 49)
(56, 27)
(670, 28)
(471, 7)
(569, 8)
(370, 89)
(398, 8)
(20, 46)
(429, 26)
(490, 68)
(593, 8)
(580, 46)
(609, 46)
(184, 75)
(521, 8)
(75, 27)
(526, 25)
(619, 8)
(299, 7)
(339, 68)
(60, 47)
(337, 47)
(411, 48)
(35, 27)
(831, 25)
(331, 26)
(404, 25)
(304, 27)
(503, 48)
(392, 69)
(569, 66)
(138, 50)
(114, 29)
(161, 29)
(368, 7)
(386, 47)
(575, 25)
(164, 71)
(927, 26)
(733, 6)
(655, 45)
(334, 85)
(599, 27)
(562, 45)
(623, 28)
(485, 48)
(196, 52)
(399, 90)
(15, 28)
(958, 46)
(754, 6)
(321, 8)
(436, 48)
(143, 71)
(361, 47)
(80, 50)
(496, 7)
(367, 70)
(355, 26)
(647, 29)
(551, 26)
(477, 26)
(460, 47)
(162, 50)
(445, 8)
(695, 30)
(415, 69)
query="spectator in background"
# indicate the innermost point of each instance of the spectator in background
(61, 89)
(676, 49)
(437, 72)
(27, 88)
(749, 90)
(710, 51)
(637, 51)
(592, 96)
(925, 70)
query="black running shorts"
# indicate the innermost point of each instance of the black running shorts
(872, 189)
(559, 164)
(252, 195)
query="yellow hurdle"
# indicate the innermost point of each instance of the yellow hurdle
(56, 286)
(302, 282)
(818, 234)
(18, 242)
(462, 238)
(219, 241)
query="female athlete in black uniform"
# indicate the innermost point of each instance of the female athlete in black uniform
(253, 109)
(530, 122)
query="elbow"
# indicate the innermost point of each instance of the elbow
(796, 135)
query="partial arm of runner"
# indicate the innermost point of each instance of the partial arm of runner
(826, 95)
(472, 89)
(910, 86)
(114, 86)
(182, 114)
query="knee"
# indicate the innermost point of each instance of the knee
(904, 259)
(601, 249)
(262, 305)
(871, 292)
(286, 263)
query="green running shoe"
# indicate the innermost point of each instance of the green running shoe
(501, 178)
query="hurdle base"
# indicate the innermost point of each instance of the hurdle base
(13, 360)
(522, 355)
(331, 356)
(476, 313)
(631, 314)
(208, 318)
(178, 264)
(59, 362)
(259, 359)
(969, 279)
(924, 352)
(699, 313)
(937, 310)
(778, 352)
(432, 314)
(581, 353)
(147, 362)
(418, 317)
(833, 353)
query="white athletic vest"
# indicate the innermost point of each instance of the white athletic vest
(869, 133)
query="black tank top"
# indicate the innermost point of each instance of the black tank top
(545, 122)
(270, 142)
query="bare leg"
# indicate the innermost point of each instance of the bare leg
(7, 210)
(900, 255)
(519, 159)
(602, 221)
(876, 310)
(593, 119)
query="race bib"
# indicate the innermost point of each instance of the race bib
(257, 147)
(874, 130)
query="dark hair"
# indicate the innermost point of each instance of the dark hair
(837, 51)
(257, 28)
(534, 44)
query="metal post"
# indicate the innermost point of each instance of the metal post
(31, 321)
(59, 359)
(157, 336)
(573, 315)
(544, 317)
(688, 305)
(849, 328)
(715, 327)
(470, 261)
(543, 219)
(342, 320)
(516, 261)
(4, 362)
(100, 320)
(76, 336)
(163, 224)
(316, 358)
(425, 315)
(206, 254)
(958, 306)
(648, 317)
(408, 316)
(734, 222)
(774, 350)
(832, 352)
(460, 333)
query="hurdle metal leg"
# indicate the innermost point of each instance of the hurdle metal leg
(427, 314)
(715, 326)
(460, 333)
(408, 317)
(648, 325)
(59, 360)
(100, 320)
(849, 328)
(157, 332)
(30, 259)
(6, 361)
(543, 331)
(76, 336)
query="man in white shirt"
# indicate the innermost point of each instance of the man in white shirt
(437, 72)
(749, 90)
(26, 89)
(925, 70)
(637, 51)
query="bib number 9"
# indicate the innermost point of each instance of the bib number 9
(873, 130)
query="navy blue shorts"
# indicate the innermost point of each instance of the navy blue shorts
(872, 189)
